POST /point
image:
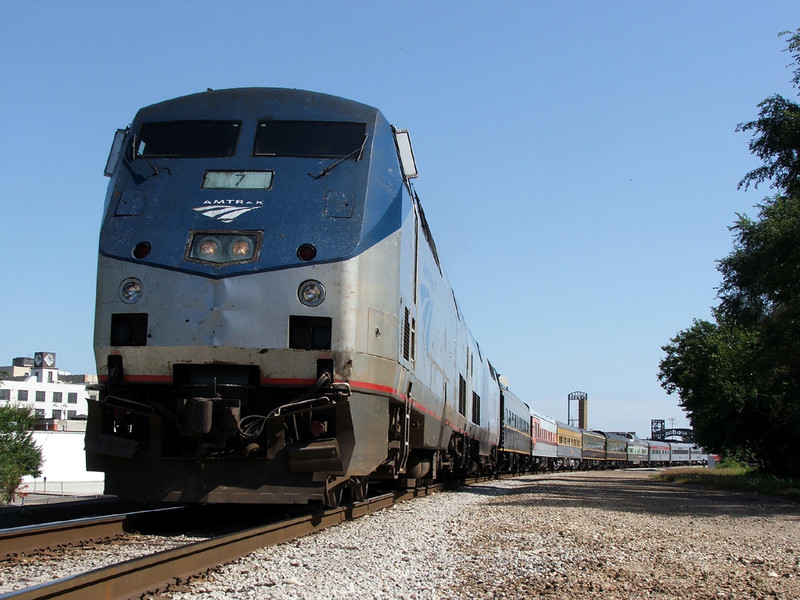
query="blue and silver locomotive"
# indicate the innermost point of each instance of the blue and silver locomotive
(272, 321)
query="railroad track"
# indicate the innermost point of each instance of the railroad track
(30, 539)
(133, 578)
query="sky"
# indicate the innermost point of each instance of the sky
(578, 161)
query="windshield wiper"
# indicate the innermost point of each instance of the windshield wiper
(358, 151)
(136, 156)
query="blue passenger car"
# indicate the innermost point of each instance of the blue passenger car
(516, 441)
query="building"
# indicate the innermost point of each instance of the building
(59, 401)
(56, 397)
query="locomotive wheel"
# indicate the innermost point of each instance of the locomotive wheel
(359, 487)
(333, 496)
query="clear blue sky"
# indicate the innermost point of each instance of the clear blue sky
(578, 160)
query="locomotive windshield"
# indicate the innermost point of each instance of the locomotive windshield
(310, 139)
(188, 139)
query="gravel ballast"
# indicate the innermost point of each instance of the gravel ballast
(610, 535)
(25, 572)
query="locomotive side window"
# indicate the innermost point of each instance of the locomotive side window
(310, 139)
(187, 139)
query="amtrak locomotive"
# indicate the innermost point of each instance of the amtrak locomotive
(272, 321)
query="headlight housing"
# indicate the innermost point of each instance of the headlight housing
(223, 248)
(130, 290)
(311, 292)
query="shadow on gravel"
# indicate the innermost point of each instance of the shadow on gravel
(634, 494)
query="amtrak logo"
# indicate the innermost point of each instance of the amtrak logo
(227, 210)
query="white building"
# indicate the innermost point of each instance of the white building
(53, 395)
(59, 401)
(64, 465)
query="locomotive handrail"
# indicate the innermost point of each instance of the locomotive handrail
(300, 406)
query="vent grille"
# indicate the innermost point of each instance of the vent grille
(409, 336)
(476, 408)
(462, 396)
(413, 340)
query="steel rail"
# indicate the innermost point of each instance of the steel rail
(133, 578)
(17, 541)
(29, 539)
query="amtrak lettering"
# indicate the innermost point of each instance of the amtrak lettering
(227, 210)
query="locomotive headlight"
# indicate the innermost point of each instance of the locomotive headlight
(208, 248)
(130, 290)
(311, 293)
(241, 248)
(223, 248)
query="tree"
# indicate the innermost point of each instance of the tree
(776, 135)
(705, 364)
(19, 455)
(739, 377)
(761, 294)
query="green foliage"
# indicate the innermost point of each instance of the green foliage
(708, 363)
(19, 455)
(731, 465)
(760, 275)
(776, 135)
(739, 377)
